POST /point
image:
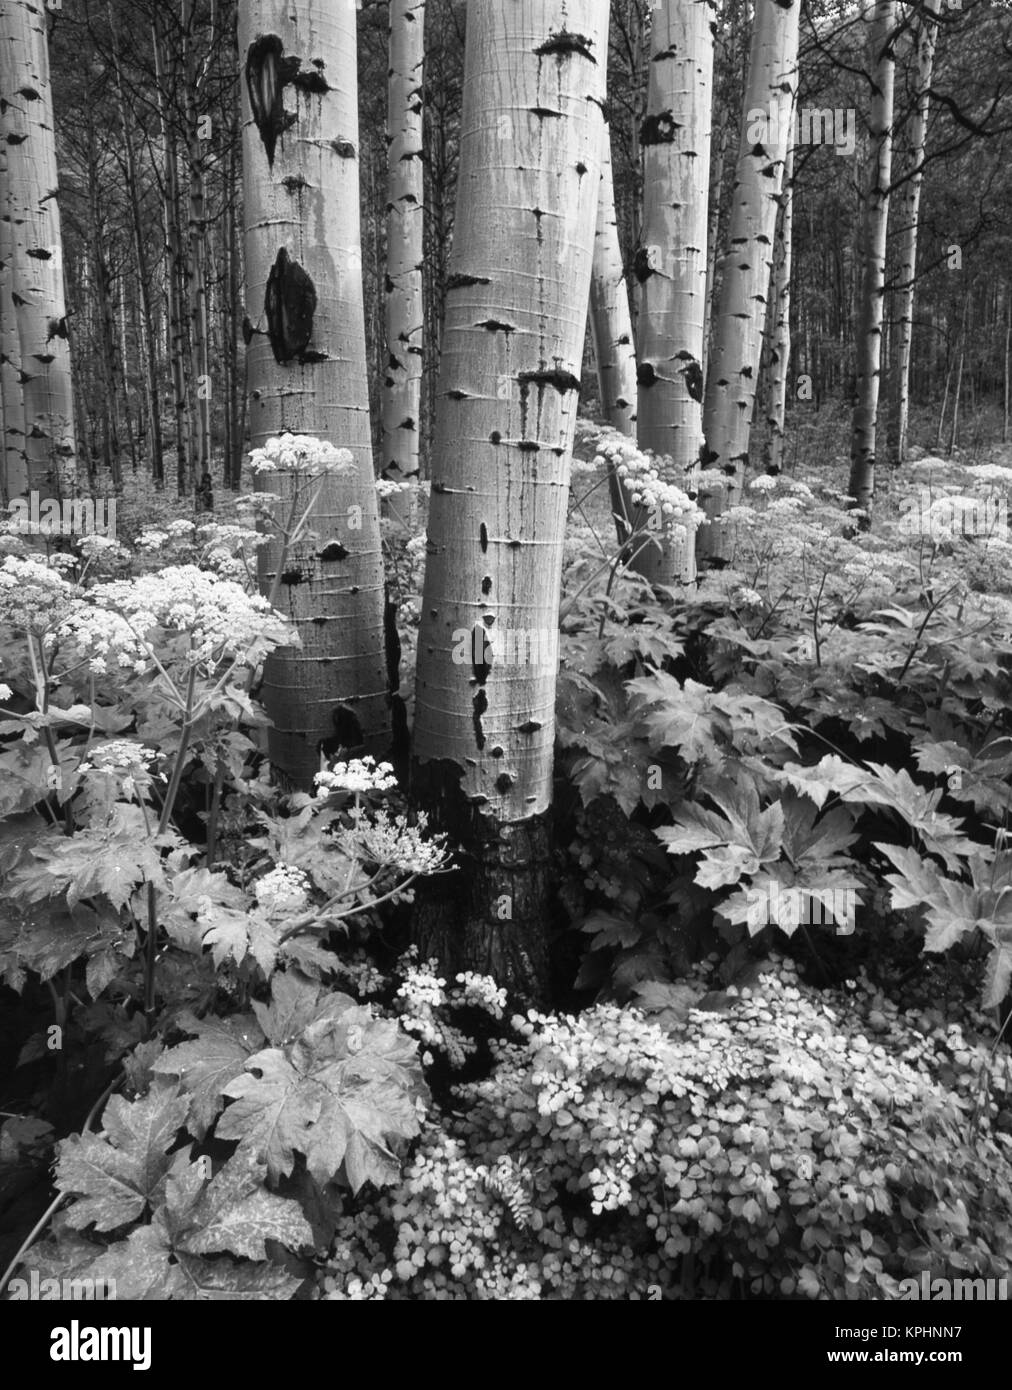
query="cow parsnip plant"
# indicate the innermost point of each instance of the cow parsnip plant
(127, 689)
(828, 717)
(796, 728)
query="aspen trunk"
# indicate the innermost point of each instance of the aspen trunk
(958, 388)
(13, 467)
(307, 369)
(780, 338)
(740, 313)
(404, 317)
(713, 230)
(30, 203)
(610, 319)
(874, 228)
(671, 262)
(518, 291)
(146, 315)
(612, 334)
(196, 264)
(925, 36)
(177, 338)
(1007, 365)
(101, 281)
(230, 310)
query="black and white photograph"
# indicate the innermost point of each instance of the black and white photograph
(506, 669)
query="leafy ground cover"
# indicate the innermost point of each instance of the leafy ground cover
(778, 1066)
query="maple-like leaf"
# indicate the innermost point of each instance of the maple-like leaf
(618, 773)
(754, 722)
(296, 1002)
(339, 1093)
(89, 863)
(788, 899)
(812, 839)
(679, 716)
(941, 834)
(225, 931)
(116, 1174)
(952, 907)
(998, 973)
(734, 844)
(274, 1108)
(609, 930)
(234, 1212)
(51, 938)
(983, 781)
(140, 1268)
(831, 776)
(206, 1066)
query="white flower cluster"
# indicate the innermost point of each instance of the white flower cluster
(231, 538)
(300, 453)
(642, 476)
(991, 473)
(100, 636)
(129, 763)
(386, 487)
(5, 691)
(33, 596)
(391, 841)
(763, 482)
(257, 503)
(101, 547)
(285, 889)
(360, 775)
(481, 992)
(221, 618)
(120, 755)
(151, 538)
(944, 518)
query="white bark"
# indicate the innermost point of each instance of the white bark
(13, 468)
(874, 228)
(925, 35)
(195, 74)
(612, 333)
(518, 291)
(610, 319)
(671, 263)
(404, 317)
(307, 367)
(780, 338)
(30, 204)
(740, 313)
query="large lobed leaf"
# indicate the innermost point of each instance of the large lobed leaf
(340, 1090)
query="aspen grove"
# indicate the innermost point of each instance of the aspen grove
(506, 660)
